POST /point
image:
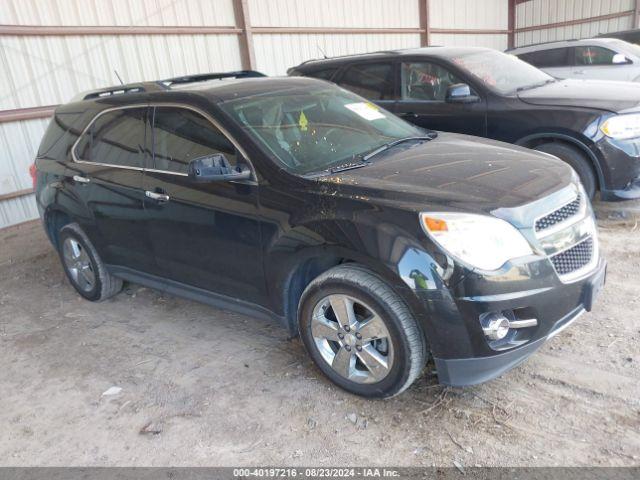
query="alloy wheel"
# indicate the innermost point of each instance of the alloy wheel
(78, 264)
(352, 338)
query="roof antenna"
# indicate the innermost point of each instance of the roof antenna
(116, 72)
(321, 51)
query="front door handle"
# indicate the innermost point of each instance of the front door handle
(79, 179)
(579, 72)
(409, 115)
(160, 197)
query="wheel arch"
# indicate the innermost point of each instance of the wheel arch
(316, 261)
(54, 219)
(533, 140)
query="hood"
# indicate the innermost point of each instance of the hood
(602, 95)
(455, 172)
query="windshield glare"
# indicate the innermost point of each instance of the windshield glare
(501, 72)
(631, 48)
(313, 129)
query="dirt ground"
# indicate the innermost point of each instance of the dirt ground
(202, 386)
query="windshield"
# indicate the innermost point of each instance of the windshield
(631, 48)
(501, 72)
(319, 127)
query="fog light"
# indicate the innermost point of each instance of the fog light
(495, 326)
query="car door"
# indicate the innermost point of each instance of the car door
(601, 63)
(109, 158)
(423, 89)
(204, 234)
(374, 81)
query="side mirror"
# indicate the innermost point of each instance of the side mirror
(620, 59)
(216, 168)
(460, 93)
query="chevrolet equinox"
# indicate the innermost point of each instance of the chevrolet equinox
(380, 243)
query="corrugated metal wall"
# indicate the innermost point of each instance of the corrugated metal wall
(469, 14)
(117, 12)
(18, 144)
(541, 12)
(277, 52)
(50, 70)
(47, 70)
(334, 13)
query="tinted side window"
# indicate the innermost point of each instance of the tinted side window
(62, 132)
(326, 74)
(556, 57)
(426, 81)
(115, 138)
(594, 56)
(372, 81)
(180, 135)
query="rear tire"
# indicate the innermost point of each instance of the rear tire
(576, 159)
(83, 266)
(373, 346)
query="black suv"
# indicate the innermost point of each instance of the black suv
(293, 199)
(594, 126)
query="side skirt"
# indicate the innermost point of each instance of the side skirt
(194, 293)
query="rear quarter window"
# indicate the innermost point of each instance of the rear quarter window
(62, 132)
(372, 80)
(115, 138)
(555, 57)
(326, 74)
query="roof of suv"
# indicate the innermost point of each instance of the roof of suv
(442, 52)
(562, 43)
(217, 86)
(247, 87)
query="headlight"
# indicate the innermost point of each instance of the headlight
(622, 127)
(481, 241)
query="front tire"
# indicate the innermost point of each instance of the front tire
(577, 160)
(83, 266)
(360, 333)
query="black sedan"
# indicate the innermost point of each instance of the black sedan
(592, 125)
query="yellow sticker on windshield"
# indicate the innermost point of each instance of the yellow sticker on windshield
(303, 122)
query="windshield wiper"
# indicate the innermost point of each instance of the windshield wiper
(349, 166)
(536, 85)
(359, 160)
(388, 145)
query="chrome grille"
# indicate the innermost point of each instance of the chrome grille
(574, 258)
(559, 215)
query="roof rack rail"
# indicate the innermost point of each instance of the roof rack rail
(115, 90)
(337, 57)
(160, 85)
(203, 77)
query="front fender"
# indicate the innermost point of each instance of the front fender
(583, 144)
(297, 255)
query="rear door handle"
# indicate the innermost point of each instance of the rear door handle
(409, 115)
(160, 197)
(79, 179)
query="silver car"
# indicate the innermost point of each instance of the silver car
(594, 58)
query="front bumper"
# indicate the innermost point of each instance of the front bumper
(620, 168)
(629, 192)
(478, 369)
